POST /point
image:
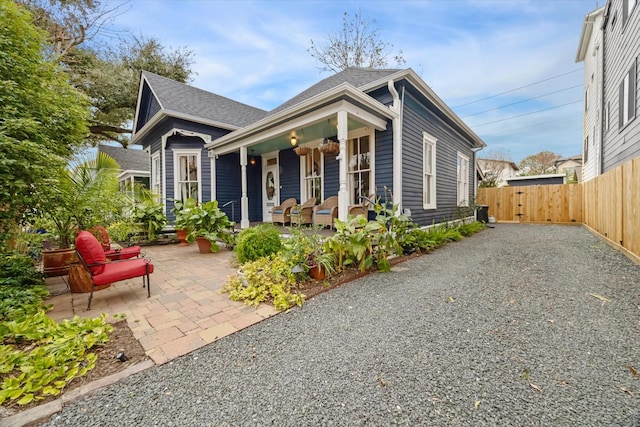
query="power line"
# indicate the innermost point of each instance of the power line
(564, 119)
(520, 102)
(518, 88)
(527, 114)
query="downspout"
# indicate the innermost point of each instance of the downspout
(396, 121)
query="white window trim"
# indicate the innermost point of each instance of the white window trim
(176, 172)
(428, 139)
(463, 199)
(359, 133)
(303, 184)
(157, 164)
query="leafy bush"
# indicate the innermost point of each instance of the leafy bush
(19, 301)
(471, 228)
(353, 242)
(16, 269)
(39, 357)
(121, 231)
(267, 278)
(209, 221)
(257, 242)
(151, 215)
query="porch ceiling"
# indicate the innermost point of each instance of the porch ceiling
(315, 132)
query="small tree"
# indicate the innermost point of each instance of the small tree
(357, 44)
(493, 165)
(42, 118)
(539, 164)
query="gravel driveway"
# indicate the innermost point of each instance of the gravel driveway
(498, 329)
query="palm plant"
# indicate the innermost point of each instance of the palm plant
(83, 195)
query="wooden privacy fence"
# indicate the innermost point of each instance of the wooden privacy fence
(608, 204)
(558, 203)
(612, 205)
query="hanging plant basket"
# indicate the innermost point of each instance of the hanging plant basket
(330, 148)
(301, 151)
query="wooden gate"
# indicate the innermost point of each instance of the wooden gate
(558, 203)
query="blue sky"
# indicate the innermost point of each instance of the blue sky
(256, 52)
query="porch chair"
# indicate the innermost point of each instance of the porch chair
(326, 212)
(363, 208)
(94, 260)
(102, 235)
(282, 213)
(304, 213)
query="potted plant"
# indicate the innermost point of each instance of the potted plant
(320, 264)
(150, 215)
(181, 211)
(82, 195)
(207, 225)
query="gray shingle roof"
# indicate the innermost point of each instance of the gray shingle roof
(355, 76)
(185, 99)
(129, 158)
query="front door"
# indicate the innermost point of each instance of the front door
(270, 188)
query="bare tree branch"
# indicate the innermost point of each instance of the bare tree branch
(357, 44)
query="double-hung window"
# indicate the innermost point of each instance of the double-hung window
(187, 174)
(627, 9)
(313, 175)
(627, 100)
(428, 171)
(463, 179)
(359, 169)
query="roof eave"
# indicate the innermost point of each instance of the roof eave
(168, 113)
(585, 34)
(307, 105)
(410, 75)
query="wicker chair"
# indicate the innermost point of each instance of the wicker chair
(355, 210)
(326, 212)
(303, 214)
(282, 213)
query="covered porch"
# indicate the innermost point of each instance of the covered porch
(343, 144)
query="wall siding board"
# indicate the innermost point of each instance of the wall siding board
(331, 175)
(289, 163)
(384, 161)
(621, 49)
(416, 119)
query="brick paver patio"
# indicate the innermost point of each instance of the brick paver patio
(186, 311)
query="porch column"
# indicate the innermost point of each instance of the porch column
(244, 200)
(343, 193)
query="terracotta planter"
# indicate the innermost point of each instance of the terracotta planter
(317, 272)
(182, 236)
(204, 245)
(55, 262)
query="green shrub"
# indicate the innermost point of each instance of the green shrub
(121, 231)
(471, 228)
(257, 242)
(19, 301)
(267, 278)
(151, 215)
(18, 270)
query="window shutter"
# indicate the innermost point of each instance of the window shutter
(632, 92)
(621, 105)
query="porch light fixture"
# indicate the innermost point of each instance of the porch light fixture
(252, 160)
(294, 140)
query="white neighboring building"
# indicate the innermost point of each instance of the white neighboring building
(590, 52)
(502, 170)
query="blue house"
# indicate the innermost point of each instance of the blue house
(351, 135)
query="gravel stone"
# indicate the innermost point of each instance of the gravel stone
(498, 329)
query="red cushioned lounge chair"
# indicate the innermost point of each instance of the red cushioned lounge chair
(113, 254)
(93, 258)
